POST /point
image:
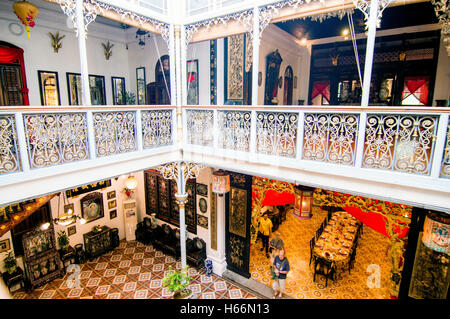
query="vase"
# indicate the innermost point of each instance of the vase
(208, 267)
(184, 294)
(11, 270)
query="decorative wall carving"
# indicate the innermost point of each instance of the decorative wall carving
(235, 67)
(56, 138)
(238, 212)
(330, 137)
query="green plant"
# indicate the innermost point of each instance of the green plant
(177, 281)
(63, 239)
(130, 98)
(10, 263)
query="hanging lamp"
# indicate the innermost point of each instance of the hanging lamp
(27, 13)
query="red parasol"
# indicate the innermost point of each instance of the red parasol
(273, 198)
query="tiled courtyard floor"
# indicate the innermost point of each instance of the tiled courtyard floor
(133, 271)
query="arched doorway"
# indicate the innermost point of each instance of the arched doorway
(288, 86)
(158, 92)
(13, 85)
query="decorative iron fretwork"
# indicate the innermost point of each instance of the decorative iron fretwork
(364, 7)
(156, 128)
(234, 130)
(330, 137)
(400, 142)
(115, 132)
(200, 127)
(276, 133)
(244, 17)
(92, 8)
(445, 167)
(56, 138)
(172, 170)
(9, 152)
(442, 9)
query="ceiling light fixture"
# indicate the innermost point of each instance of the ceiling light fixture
(142, 35)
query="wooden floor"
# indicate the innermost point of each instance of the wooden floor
(296, 234)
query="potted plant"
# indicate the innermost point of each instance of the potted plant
(63, 240)
(10, 263)
(177, 282)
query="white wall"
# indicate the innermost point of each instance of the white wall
(39, 55)
(442, 83)
(292, 54)
(200, 51)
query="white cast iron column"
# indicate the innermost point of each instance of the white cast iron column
(255, 67)
(221, 263)
(86, 93)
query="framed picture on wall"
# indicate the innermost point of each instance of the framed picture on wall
(111, 195)
(5, 245)
(118, 90)
(92, 206)
(112, 204)
(112, 214)
(97, 88)
(72, 230)
(141, 82)
(74, 88)
(192, 82)
(49, 88)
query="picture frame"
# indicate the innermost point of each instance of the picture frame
(118, 90)
(49, 88)
(92, 206)
(96, 86)
(111, 195)
(72, 230)
(259, 78)
(202, 221)
(112, 214)
(5, 245)
(141, 86)
(202, 205)
(192, 82)
(112, 204)
(295, 82)
(202, 189)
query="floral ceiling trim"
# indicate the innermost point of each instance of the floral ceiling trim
(93, 8)
(442, 9)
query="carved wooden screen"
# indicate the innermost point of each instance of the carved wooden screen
(160, 199)
(238, 214)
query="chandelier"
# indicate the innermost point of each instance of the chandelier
(68, 217)
(142, 35)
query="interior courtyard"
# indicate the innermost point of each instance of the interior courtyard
(142, 140)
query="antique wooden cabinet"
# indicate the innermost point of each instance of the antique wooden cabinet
(97, 243)
(41, 259)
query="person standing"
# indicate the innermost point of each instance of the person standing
(265, 228)
(274, 246)
(281, 269)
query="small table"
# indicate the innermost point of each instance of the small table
(14, 278)
(67, 255)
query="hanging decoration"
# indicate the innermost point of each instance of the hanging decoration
(442, 9)
(56, 41)
(260, 186)
(396, 217)
(27, 13)
(107, 49)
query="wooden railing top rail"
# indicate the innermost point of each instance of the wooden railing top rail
(404, 109)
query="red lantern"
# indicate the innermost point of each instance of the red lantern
(27, 13)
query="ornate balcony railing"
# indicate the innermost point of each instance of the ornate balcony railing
(49, 138)
(404, 140)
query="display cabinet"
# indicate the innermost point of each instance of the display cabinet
(97, 243)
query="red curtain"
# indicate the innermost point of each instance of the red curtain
(13, 55)
(273, 198)
(417, 86)
(375, 221)
(321, 88)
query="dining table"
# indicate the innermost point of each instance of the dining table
(337, 239)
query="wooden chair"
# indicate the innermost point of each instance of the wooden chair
(351, 262)
(325, 268)
(312, 242)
